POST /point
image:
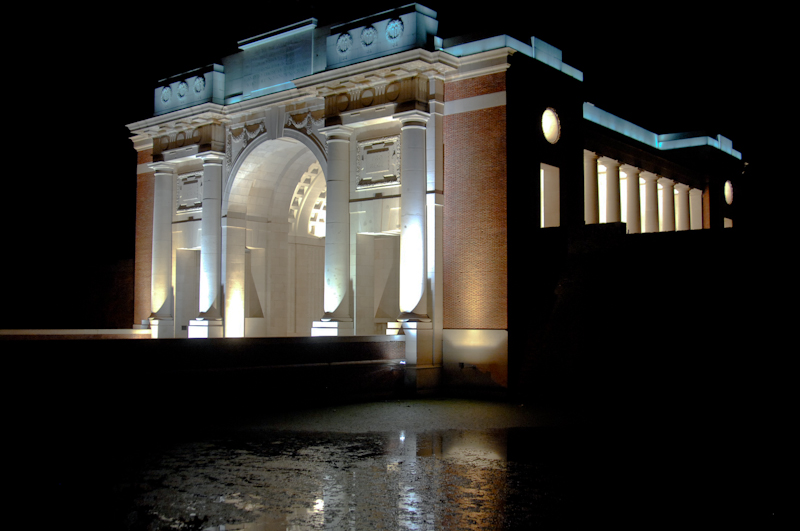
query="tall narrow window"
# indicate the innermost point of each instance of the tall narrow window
(549, 196)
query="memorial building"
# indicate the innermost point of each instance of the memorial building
(371, 178)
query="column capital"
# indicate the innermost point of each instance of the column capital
(161, 167)
(663, 181)
(590, 155)
(413, 118)
(211, 157)
(337, 132)
(606, 161)
(630, 168)
(681, 187)
(695, 192)
(649, 176)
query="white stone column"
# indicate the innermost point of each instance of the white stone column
(683, 206)
(414, 321)
(337, 319)
(413, 248)
(668, 204)
(696, 208)
(591, 199)
(162, 300)
(633, 205)
(234, 231)
(209, 319)
(613, 209)
(434, 152)
(650, 202)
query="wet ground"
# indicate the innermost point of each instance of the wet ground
(397, 464)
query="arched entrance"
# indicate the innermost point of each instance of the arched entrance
(273, 228)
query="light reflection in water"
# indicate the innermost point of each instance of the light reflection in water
(438, 479)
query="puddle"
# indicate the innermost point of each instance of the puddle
(445, 479)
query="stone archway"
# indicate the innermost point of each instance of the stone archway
(273, 218)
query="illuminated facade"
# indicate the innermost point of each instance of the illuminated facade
(371, 178)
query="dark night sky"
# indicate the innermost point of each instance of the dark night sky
(73, 207)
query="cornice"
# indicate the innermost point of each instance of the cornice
(481, 64)
(403, 64)
(381, 70)
(179, 120)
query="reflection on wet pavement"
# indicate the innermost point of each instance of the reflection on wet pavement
(437, 479)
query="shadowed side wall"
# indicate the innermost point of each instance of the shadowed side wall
(148, 379)
(144, 237)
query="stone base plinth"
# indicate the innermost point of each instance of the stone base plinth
(422, 376)
(419, 340)
(202, 328)
(162, 328)
(332, 328)
(422, 380)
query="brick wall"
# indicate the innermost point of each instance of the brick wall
(144, 240)
(475, 220)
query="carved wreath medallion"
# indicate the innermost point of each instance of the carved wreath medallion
(344, 43)
(394, 30)
(368, 35)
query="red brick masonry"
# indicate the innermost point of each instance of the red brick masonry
(475, 220)
(144, 240)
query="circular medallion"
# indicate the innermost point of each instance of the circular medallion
(368, 35)
(392, 90)
(344, 43)
(367, 95)
(199, 84)
(342, 102)
(394, 30)
(551, 127)
(166, 94)
(183, 88)
(729, 192)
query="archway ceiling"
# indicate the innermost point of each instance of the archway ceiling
(267, 178)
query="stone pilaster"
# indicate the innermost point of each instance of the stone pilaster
(162, 300)
(337, 319)
(414, 321)
(209, 319)
(413, 248)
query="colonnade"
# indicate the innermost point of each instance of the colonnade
(413, 314)
(162, 298)
(338, 319)
(414, 319)
(680, 206)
